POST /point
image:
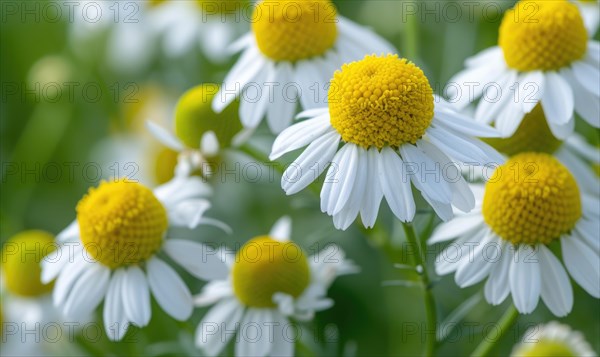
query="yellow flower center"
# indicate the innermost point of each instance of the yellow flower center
(531, 199)
(164, 165)
(542, 35)
(121, 223)
(545, 348)
(379, 101)
(291, 30)
(265, 266)
(533, 134)
(21, 258)
(194, 117)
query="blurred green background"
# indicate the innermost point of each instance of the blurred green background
(47, 143)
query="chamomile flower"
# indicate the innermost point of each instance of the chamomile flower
(531, 203)
(290, 56)
(393, 132)
(534, 135)
(110, 253)
(544, 55)
(26, 301)
(270, 281)
(199, 132)
(553, 339)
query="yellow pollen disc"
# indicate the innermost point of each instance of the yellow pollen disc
(532, 135)
(547, 348)
(542, 35)
(291, 30)
(531, 199)
(265, 266)
(380, 101)
(121, 223)
(164, 165)
(21, 258)
(194, 117)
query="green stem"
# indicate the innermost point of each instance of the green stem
(489, 342)
(411, 37)
(430, 309)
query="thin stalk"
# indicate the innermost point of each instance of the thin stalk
(430, 309)
(489, 342)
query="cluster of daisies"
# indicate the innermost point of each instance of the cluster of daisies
(377, 131)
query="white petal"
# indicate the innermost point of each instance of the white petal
(586, 104)
(557, 101)
(281, 112)
(214, 291)
(427, 177)
(136, 297)
(216, 328)
(255, 334)
(282, 229)
(310, 164)
(373, 193)
(586, 178)
(180, 189)
(510, 117)
(308, 76)
(468, 85)
(67, 278)
(531, 90)
(588, 76)
(495, 98)
(253, 107)
(582, 263)
(457, 227)
(168, 288)
(243, 72)
(340, 179)
(525, 280)
(477, 267)
(209, 144)
(165, 136)
(344, 218)
(299, 135)
(463, 124)
(491, 54)
(87, 292)
(367, 38)
(562, 131)
(395, 184)
(198, 259)
(115, 321)
(497, 287)
(457, 146)
(54, 263)
(70, 233)
(188, 213)
(557, 292)
(283, 343)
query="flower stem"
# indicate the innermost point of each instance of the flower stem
(430, 309)
(489, 342)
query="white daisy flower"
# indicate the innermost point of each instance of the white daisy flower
(138, 30)
(544, 56)
(553, 339)
(534, 135)
(591, 14)
(110, 253)
(270, 282)
(184, 25)
(393, 132)
(200, 132)
(26, 301)
(287, 59)
(531, 204)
